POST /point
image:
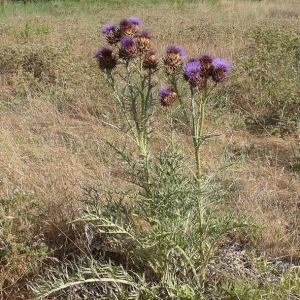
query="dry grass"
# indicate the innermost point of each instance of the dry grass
(54, 106)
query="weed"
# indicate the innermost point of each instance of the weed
(57, 114)
(171, 226)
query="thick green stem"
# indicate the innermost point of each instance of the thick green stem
(143, 130)
(120, 101)
(198, 168)
(197, 149)
(199, 134)
(172, 132)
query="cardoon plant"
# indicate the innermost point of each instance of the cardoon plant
(202, 75)
(129, 64)
(158, 244)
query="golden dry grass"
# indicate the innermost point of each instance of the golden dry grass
(53, 127)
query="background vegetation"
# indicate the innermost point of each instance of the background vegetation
(55, 110)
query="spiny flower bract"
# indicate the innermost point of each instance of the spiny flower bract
(150, 60)
(174, 58)
(144, 40)
(206, 64)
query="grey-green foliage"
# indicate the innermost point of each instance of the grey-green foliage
(102, 281)
(163, 243)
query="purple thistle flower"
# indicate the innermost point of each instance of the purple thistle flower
(164, 93)
(112, 33)
(108, 28)
(220, 63)
(107, 57)
(206, 58)
(104, 51)
(192, 73)
(167, 95)
(127, 42)
(145, 34)
(128, 48)
(176, 50)
(191, 69)
(221, 69)
(135, 21)
(130, 26)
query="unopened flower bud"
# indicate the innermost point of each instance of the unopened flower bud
(174, 59)
(206, 65)
(144, 40)
(107, 57)
(150, 60)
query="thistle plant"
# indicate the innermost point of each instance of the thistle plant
(162, 240)
(129, 63)
(173, 200)
(191, 84)
(202, 74)
(133, 51)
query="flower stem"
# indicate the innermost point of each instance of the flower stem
(199, 133)
(143, 129)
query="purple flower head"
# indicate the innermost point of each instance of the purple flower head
(223, 64)
(164, 93)
(206, 58)
(130, 26)
(104, 51)
(192, 73)
(176, 50)
(135, 21)
(191, 69)
(167, 95)
(112, 33)
(108, 28)
(128, 48)
(127, 42)
(107, 57)
(221, 69)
